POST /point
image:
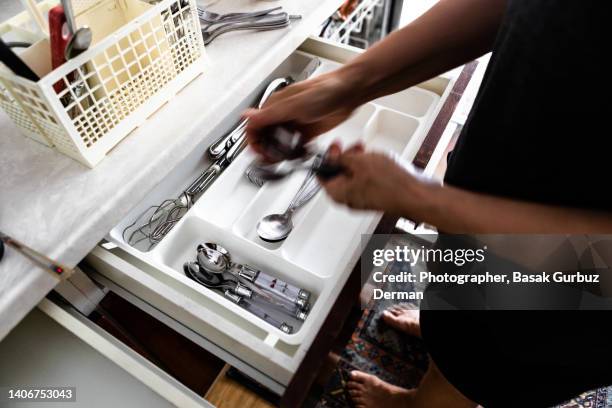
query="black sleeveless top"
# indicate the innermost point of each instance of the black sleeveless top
(542, 122)
(539, 131)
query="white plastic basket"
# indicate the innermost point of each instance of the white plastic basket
(141, 56)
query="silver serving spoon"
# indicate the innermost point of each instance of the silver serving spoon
(79, 42)
(260, 172)
(276, 227)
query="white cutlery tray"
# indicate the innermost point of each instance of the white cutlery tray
(141, 56)
(317, 254)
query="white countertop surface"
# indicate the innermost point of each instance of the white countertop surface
(62, 209)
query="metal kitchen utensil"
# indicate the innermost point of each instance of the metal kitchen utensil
(233, 290)
(215, 280)
(69, 13)
(16, 64)
(216, 259)
(210, 36)
(42, 261)
(155, 223)
(229, 279)
(265, 23)
(260, 172)
(210, 18)
(78, 43)
(221, 145)
(258, 311)
(276, 227)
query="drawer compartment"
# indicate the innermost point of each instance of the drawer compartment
(57, 348)
(317, 256)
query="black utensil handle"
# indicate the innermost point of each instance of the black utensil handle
(15, 64)
(327, 171)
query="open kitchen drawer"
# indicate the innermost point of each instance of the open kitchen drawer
(55, 346)
(318, 255)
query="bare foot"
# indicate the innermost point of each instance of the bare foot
(369, 391)
(401, 318)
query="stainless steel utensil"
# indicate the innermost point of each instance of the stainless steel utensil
(260, 172)
(79, 42)
(42, 261)
(265, 23)
(211, 18)
(291, 152)
(235, 291)
(216, 259)
(221, 145)
(151, 226)
(276, 227)
(258, 311)
(69, 13)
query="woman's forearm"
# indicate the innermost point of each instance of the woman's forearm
(455, 210)
(451, 33)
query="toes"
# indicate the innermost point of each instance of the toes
(359, 403)
(359, 376)
(355, 393)
(390, 317)
(362, 378)
(393, 310)
(354, 385)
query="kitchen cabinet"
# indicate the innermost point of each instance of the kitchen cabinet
(319, 255)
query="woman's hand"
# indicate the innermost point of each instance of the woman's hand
(312, 107)
(376, 181)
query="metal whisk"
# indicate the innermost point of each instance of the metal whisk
(155, 223)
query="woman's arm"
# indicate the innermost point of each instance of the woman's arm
(374, 181)
(449, 34)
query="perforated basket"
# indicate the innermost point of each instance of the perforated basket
(142, 56)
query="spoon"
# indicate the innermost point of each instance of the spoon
(289, 151)
(260, 172)
(215, 280)
(216, 259)
(276, 227)
(210, 271)
(78, 43)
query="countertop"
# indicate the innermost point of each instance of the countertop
(62, 209)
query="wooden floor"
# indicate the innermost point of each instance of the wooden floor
(227, 393)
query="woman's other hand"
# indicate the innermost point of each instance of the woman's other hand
(377, 181)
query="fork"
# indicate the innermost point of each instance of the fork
(214, 18)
